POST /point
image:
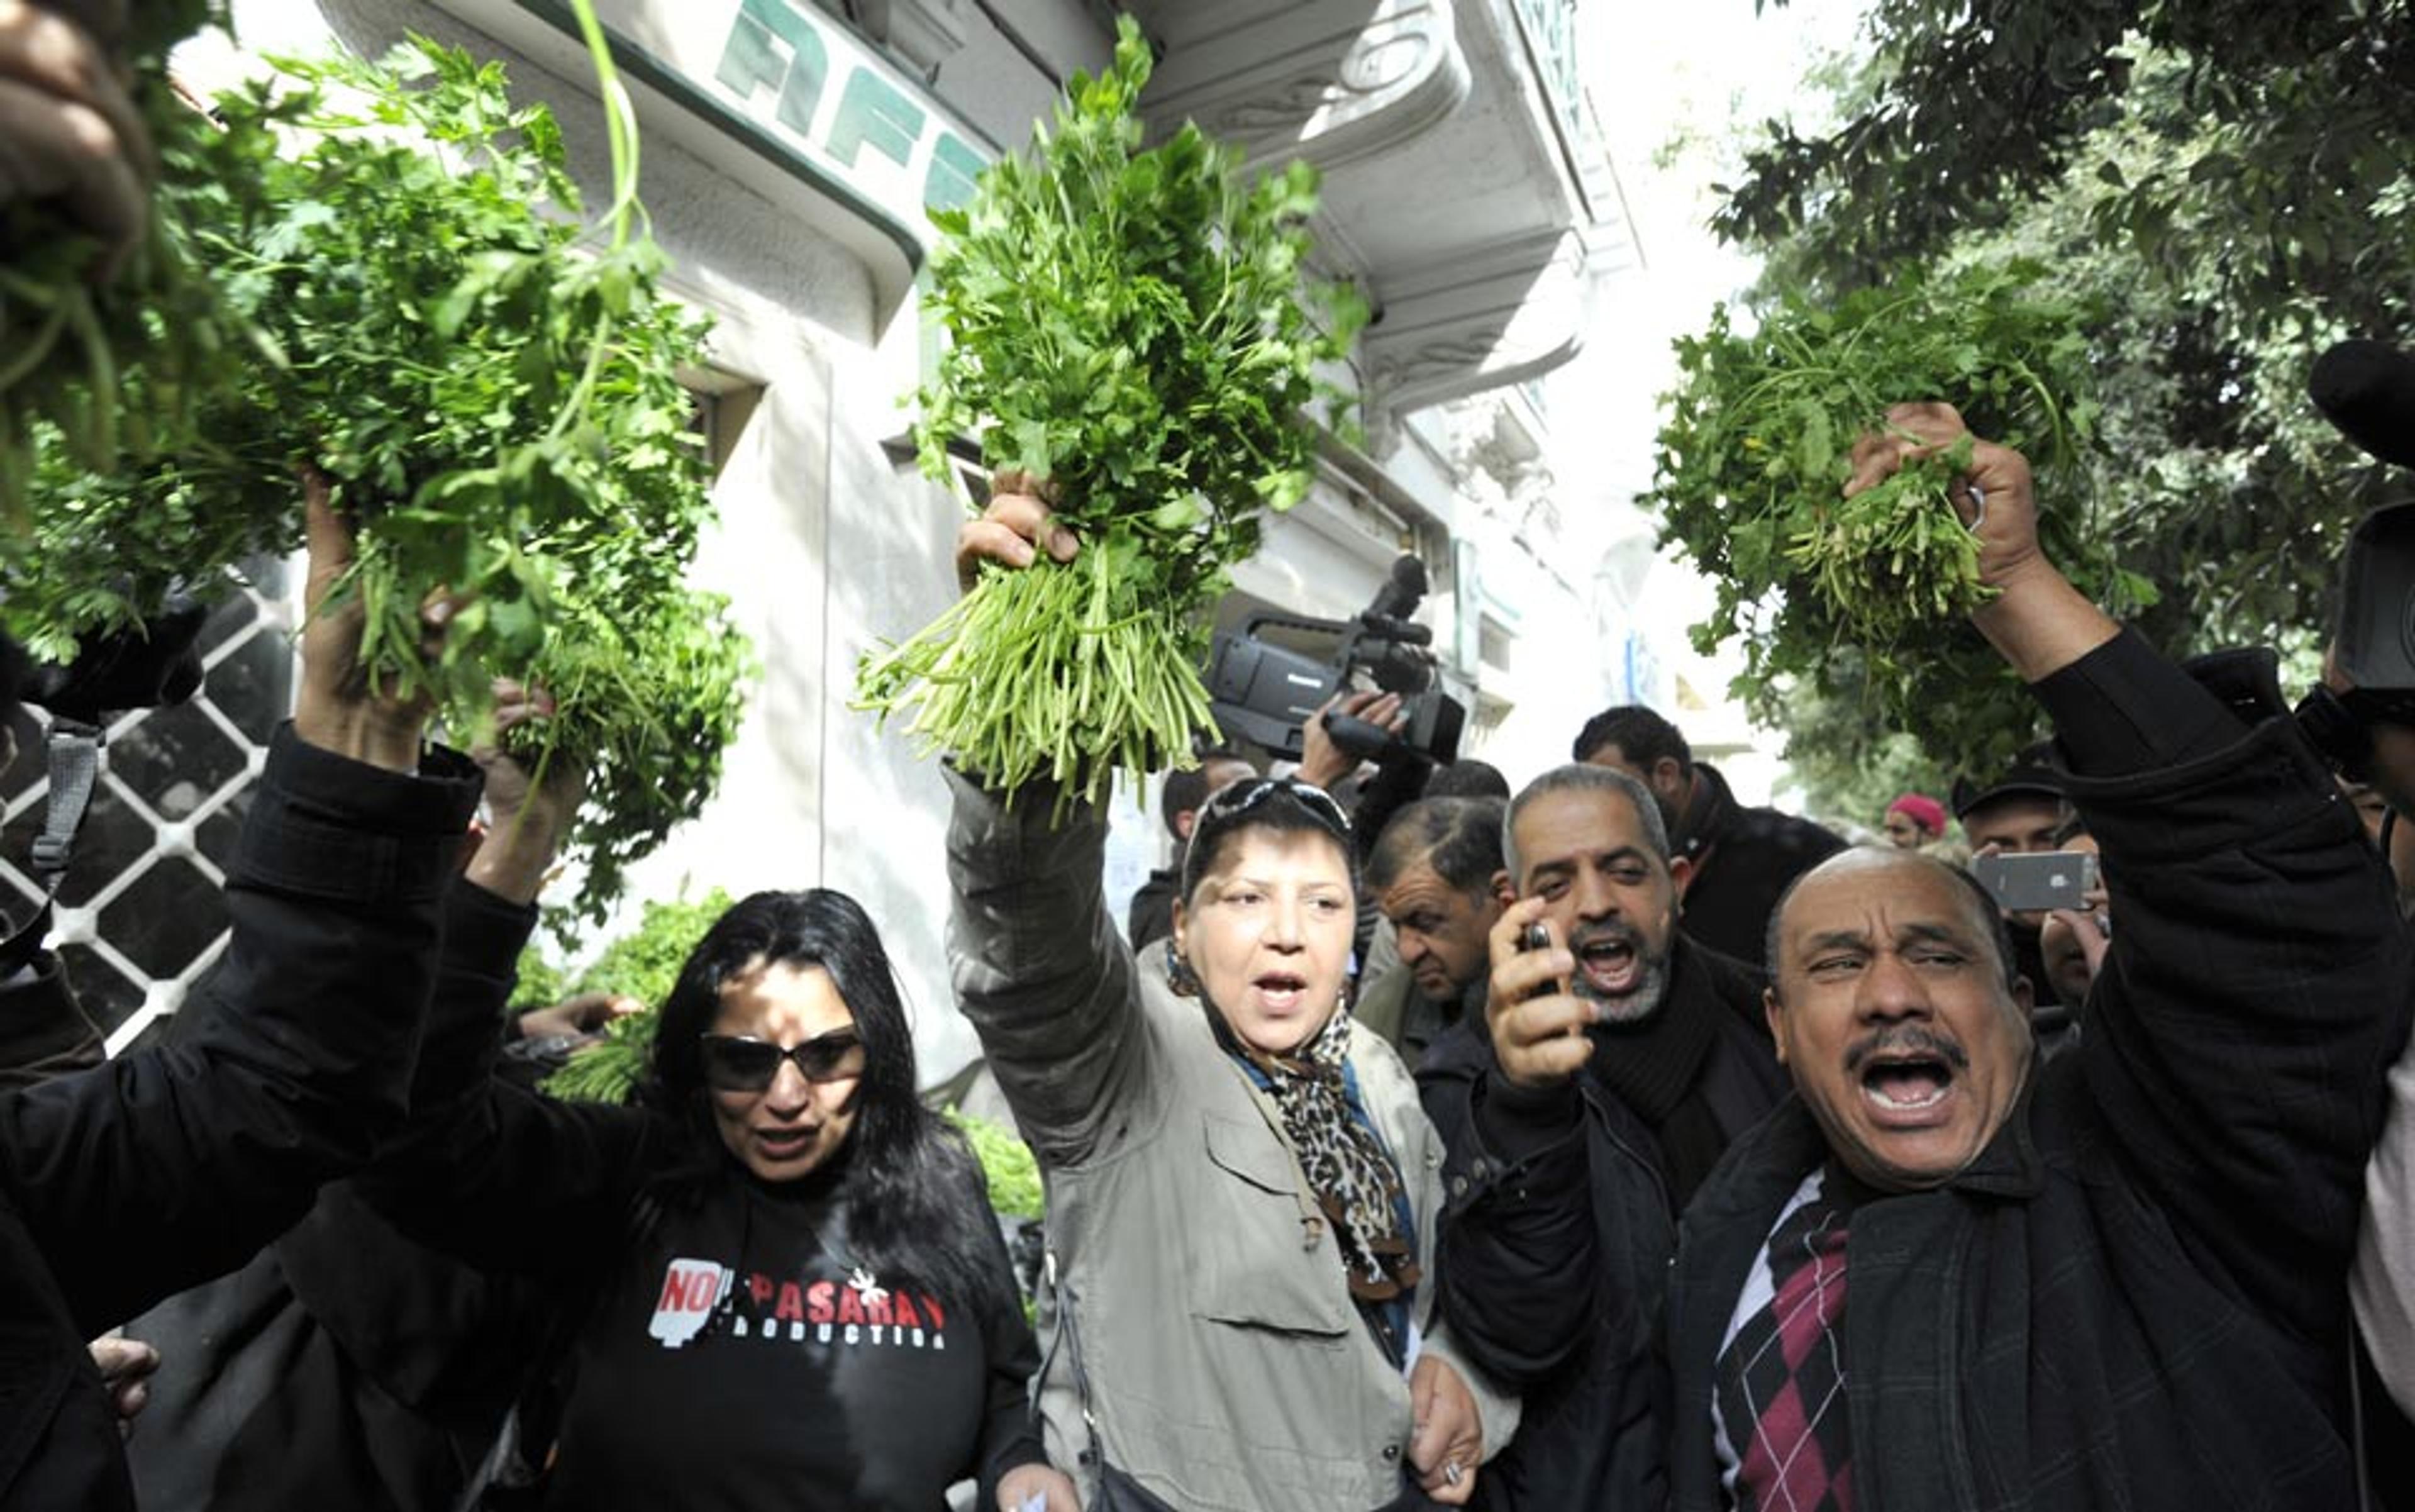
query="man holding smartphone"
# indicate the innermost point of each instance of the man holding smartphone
(1615, 1062)
(2020, 812)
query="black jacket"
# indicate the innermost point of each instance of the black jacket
(121, 1184)
(1743, 860)
(1562, 1220)
(1150, 915)
(44, 1032)
(347, 1365)
(2135, 1297)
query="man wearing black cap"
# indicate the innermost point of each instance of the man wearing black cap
(2019, 812)
(2022, 812)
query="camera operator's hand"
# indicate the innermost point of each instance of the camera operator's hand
(336, 708)
(529, 812)
(2392, 756)
(1017, 520)
(2038, 619)
(68, 128)
(1321, 761)
(1538, 1025)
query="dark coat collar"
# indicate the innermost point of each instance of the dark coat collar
(1709, 808)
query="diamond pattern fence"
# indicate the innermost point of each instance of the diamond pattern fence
(140, 918)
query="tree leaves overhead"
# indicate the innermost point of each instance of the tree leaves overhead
(1960, 114)
(2228, 184)
(1958, 104)
(1135, 325)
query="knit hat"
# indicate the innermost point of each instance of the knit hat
(1922, 810)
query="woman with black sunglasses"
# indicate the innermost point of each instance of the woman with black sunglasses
(1242, 1187)
(781, 1280)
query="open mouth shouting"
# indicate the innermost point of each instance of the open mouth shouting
(1908, 1077)
(1281, 993)
(1610, 961)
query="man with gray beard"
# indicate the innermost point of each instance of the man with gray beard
(1622, 1057)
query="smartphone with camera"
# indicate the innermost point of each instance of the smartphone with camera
(1538, 936)
(2038, 881)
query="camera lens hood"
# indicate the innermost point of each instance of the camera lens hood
(2376, 644)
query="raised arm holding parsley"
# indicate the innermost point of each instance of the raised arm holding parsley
(95, 289)
(1134, 326)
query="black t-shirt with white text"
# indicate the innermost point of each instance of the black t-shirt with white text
(738, 1359)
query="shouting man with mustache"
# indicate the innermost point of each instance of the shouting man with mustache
(1950, 1274)
(1612, 1070)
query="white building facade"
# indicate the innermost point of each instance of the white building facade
(789, 150)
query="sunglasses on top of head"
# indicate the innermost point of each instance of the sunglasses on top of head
(1236, 799)
(741, 1063)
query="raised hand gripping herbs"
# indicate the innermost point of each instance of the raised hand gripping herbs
(492, 389)
(1133, 325)
(117, 366)
(1866, 597)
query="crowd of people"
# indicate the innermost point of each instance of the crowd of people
(1589, 1141)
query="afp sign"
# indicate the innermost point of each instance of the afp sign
(832, 98)
(782, 97)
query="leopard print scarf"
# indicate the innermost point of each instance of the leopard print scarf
(1353, 1178)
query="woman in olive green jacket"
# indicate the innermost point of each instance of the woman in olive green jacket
(1242, 1188)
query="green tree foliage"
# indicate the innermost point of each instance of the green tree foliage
(1007, 1163)
(1961, 115)
(1849, 770)
(2230, 182)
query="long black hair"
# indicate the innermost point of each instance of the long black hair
(912, 1196)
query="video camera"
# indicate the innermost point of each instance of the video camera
(1266, 693)
(2367, 391)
